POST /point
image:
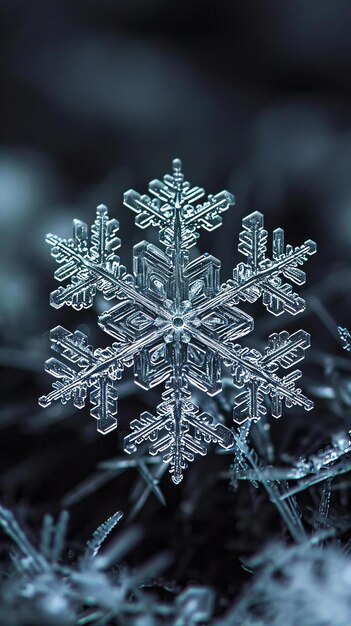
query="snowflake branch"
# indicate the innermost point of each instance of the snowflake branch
(97, 272)
(254, 368)
(232, 290)
(102, 366)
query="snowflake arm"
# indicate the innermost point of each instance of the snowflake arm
(261, 276)
(90, 268)
(96, 370)
(256, 373)
(174, 190)
(178, 432)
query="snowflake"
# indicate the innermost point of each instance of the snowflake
(174, 321)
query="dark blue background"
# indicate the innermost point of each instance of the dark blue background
(99, 96)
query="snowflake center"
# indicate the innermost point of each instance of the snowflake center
(178, 322)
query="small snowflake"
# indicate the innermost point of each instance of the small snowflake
(174, 322)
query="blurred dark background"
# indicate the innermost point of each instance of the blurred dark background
(99, 96)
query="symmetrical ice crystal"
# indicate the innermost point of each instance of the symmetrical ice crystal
(174, 321)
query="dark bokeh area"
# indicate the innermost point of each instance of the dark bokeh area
(98, 97)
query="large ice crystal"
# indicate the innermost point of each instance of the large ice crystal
(174, 322)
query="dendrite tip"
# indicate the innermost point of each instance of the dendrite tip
(177, 165)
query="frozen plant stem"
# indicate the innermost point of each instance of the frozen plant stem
(287, 510)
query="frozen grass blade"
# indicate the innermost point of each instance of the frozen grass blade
(99, 536)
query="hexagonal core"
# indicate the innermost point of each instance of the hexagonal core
(178, 322)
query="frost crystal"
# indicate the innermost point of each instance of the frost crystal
(345, 338)
(174, 321)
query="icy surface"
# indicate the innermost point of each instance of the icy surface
(174, 322)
